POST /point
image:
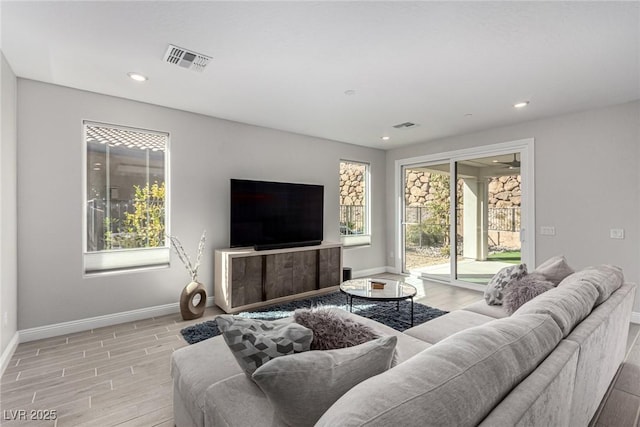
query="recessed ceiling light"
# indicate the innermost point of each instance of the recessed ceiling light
(468, 115)
(385, 138)
(350, 92)
(137, 77)
(521, 104)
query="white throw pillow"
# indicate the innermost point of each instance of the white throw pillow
(493, 293)
(301, 387)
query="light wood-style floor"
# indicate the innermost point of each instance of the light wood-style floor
(119, 375)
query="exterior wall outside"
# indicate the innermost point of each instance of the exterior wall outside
(8, 210)
(204, 154)
(587, 182)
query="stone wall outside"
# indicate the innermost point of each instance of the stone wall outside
(423, 188)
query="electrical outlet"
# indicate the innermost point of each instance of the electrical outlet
(616, 233)
(547, 231)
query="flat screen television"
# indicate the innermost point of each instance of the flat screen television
(272, 215)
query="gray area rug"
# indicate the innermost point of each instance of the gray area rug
(383, 312)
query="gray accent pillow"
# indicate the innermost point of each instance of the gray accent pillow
(555, 269)
(493, 292)
(331, 331)
(255, 342)
(520, 291)
(303, 386)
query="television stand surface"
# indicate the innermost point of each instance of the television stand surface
(266, 247)
(246, 279)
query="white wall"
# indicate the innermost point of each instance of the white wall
(205, 153)
(8, 219)
(587, 181)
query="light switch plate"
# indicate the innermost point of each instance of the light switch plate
(616, 233)
(547, 231)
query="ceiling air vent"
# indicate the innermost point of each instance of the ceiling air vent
(404, 125)
(186, 59)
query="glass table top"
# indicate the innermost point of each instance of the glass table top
(378, 289)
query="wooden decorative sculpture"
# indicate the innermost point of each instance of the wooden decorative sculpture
(193, 299)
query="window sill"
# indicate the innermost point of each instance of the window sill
(126, 260)
(354, 241)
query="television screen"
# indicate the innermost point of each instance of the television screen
(275, 214)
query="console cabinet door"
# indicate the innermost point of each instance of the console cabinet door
(246, 280)
(278, 275)
(330, 269)
(305, 271)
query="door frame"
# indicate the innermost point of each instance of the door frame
(527, 153)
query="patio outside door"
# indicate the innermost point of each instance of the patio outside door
(463, 219)
(488, 216)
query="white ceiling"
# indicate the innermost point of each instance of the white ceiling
(287, 65)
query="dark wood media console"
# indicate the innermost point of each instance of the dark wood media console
(246, 279)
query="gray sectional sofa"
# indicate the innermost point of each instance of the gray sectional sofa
(548, 364)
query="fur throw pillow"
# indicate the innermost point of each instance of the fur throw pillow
(332, 331)
(522, 290)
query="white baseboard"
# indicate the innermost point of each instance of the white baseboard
(635, 317)
(368, 272)
(8, 352)
(393, 270)
(80, 325)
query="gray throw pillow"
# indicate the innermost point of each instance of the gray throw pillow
(255, 342)
(555, 269)
(301, 387)
(331, 331)
(493, 292)
(520, 291)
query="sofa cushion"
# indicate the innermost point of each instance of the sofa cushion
(331, 331)
(301, 387)
(520, 291)
(456, 382)
(481, 307)
(442, 327)
(493, 292)
(555, 269)
(605, 278)
(238, 402)
(255, 342)
(567, 304)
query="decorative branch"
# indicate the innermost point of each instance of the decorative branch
(184, 257)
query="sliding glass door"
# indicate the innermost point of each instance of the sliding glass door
(426, 222)
(463, 217)
(488, 212)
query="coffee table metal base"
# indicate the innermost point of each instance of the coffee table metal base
(351, 297)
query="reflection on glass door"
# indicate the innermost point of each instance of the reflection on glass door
(426, 221)
(488, 200)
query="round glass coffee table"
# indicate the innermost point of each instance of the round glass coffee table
(378, 290)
